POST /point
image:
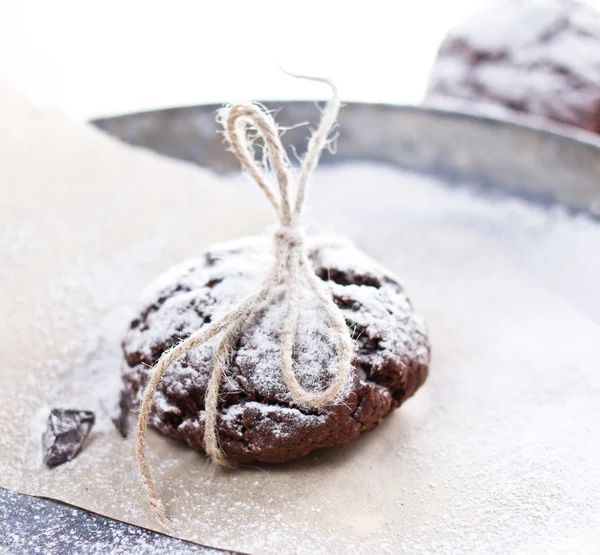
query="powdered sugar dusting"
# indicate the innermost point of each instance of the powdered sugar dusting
(497, 453)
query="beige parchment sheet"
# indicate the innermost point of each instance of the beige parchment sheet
(497, 453)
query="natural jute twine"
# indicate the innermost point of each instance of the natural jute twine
(292, 269)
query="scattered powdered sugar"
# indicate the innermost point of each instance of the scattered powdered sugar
(549, 242)
(497, 453)
(56, 528)
(86, 376)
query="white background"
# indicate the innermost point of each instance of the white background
(100, 58)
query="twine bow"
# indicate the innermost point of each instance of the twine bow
(292, 269)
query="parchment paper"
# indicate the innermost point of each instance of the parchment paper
(497, 453)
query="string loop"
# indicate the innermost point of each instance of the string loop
(291, 268)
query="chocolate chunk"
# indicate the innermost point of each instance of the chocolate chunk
(65, 433)
(120, 417)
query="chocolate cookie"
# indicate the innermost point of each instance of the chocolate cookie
(259, 421)
(528, 56)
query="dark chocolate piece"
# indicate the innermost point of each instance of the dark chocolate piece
(120, 417)
(65, 433)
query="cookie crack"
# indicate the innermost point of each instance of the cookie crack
(346, 277)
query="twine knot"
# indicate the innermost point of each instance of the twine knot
(289, 238)
(292, 268)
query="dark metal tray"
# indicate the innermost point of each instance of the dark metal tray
(534, 162)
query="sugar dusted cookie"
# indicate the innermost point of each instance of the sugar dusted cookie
(258, 418)
(537, 57)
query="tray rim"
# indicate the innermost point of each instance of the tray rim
(521, 121)
(544, 162)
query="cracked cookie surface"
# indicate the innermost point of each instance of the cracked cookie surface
(258, 420)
